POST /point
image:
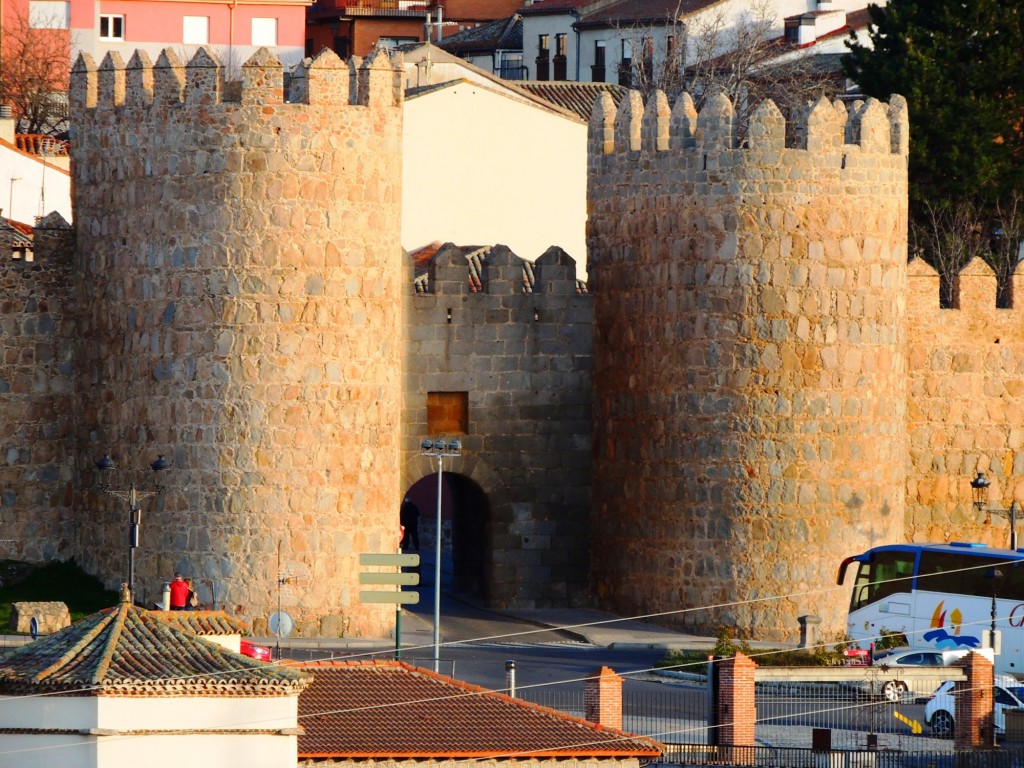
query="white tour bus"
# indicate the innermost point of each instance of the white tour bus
(941, 596)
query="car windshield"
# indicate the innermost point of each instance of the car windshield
(1017, 691)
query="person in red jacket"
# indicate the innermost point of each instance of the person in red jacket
(179, 593)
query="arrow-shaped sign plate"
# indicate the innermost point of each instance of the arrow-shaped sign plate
(395, 598)
(402, 579)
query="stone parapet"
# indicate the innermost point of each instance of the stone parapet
(239, 276)
(749, 369)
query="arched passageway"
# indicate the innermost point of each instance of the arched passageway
(465, 533)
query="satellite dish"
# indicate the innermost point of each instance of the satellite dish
(281, 624)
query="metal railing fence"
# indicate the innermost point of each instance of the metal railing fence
(861, 708)
(789, 757)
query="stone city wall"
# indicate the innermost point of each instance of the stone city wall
(239, 272)
(516, 337)
(749, 370)
(965, 404)
(37, 338)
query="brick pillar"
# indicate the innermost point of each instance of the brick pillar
(736, 711)
(974, 707)
(602, 698)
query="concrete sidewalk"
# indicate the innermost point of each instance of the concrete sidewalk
(591, 626)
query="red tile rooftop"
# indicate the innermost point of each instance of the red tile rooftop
(389, 709)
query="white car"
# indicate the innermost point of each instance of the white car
(940, 713)
(896, 690)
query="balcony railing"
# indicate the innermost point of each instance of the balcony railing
(385, 7)
(513, 72)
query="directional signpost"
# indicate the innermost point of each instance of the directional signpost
(396, 578)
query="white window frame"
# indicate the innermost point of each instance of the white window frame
(264, 32)
(195, 30)
(49, 14)
(110, 18)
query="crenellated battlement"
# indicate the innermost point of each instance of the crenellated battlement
(975, 288)
(865, 127)
(323, 81)
(500, 272)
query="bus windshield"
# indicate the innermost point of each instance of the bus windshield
(885, 573)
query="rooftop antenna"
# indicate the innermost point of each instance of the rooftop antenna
(289, 578)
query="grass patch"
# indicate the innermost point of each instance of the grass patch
(61, 582)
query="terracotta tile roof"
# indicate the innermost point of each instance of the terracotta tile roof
(576, 97)
(127, 650)
(855, 20)
(14, 234)
(389, 709)
(203, 622)
(40, 144)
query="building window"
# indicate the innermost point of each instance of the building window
(390, 43)
(559, 61)
(626, 65)
(597, 72)
(47, 14)
(448, 413)
(512, 67)
(111, 26)
(543, 58)
(196, 30)
(264, 32)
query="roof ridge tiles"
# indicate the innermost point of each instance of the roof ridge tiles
(76, 648)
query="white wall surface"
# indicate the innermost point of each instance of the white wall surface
(22, 179)
(150, 712)
(480, 168)
(256, 750)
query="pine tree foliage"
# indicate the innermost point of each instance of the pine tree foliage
(959, 64)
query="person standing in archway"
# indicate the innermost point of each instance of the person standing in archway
(409, 519)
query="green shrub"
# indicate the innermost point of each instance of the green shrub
(62, 582)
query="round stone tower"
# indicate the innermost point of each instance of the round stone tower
(749, 422)
(239, 284)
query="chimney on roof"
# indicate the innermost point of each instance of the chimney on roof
(6, 123)
(602, 698)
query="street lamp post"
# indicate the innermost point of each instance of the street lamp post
(440, 450)
(979, 487)
(133, 496)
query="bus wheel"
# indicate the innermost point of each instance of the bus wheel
(942, 724)
(893, 690)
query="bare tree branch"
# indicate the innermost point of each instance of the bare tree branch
(737, 55)
(947, 236)
(34, 73)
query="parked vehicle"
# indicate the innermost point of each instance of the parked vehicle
(940, 712)
(940, 597)
(897, 690)
(258, 652)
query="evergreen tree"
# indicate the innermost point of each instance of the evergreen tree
(960, 65)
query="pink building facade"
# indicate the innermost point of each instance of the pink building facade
(234, 29)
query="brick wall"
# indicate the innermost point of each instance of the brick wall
(737, 714)
(973, 723)
(602, 698)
